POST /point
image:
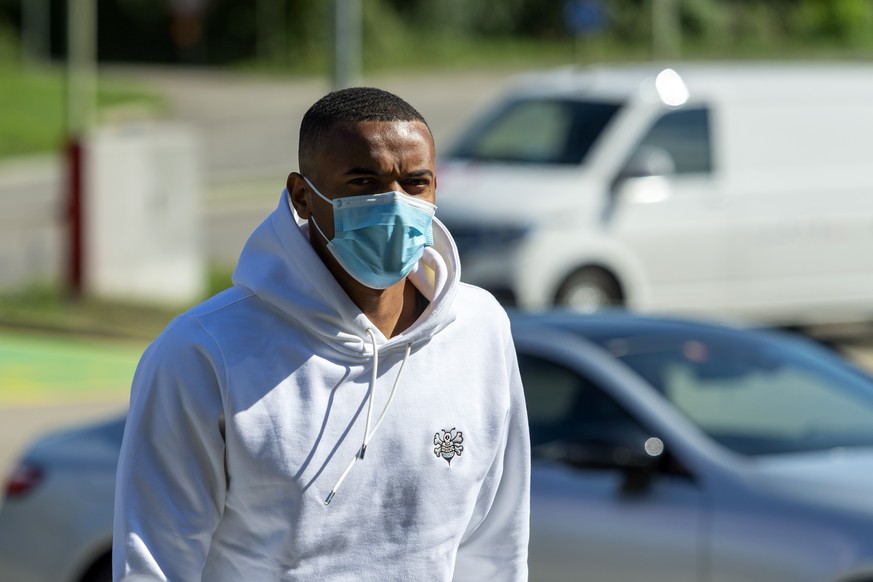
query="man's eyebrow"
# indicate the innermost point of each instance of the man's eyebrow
(373, 172)
(361, 171)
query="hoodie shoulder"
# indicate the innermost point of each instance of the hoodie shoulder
(477, 303)
(189, 333)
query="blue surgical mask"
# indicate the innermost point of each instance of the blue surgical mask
(378, 238)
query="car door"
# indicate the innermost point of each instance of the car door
(594, 517)
(667, 208)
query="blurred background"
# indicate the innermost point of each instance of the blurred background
(142, 140)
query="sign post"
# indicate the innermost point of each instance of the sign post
(79, 111)
(35, 31)
(666, 29)
(584, 18)
(346, 43)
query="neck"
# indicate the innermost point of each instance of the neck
(392, 310)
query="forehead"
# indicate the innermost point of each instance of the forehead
(378, 143)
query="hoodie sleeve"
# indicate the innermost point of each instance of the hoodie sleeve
(495, 546)
(171, 483)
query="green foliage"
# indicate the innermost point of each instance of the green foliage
(37, 99)
(704, 19)
(296, 34)
(850, 20)
(9, 43)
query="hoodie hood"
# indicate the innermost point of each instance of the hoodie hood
(279, 265)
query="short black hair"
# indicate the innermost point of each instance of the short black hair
(346, 107)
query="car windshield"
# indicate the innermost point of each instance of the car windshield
(756, 396)
(537, 131)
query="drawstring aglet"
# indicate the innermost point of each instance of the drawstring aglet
(329, 497)
(363, 450)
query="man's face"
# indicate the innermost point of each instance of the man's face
(368, 157)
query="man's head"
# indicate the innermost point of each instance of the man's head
(344, 108)
(359, 142)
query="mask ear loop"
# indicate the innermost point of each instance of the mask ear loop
(314, 189)
(318, 228)
(323, 197)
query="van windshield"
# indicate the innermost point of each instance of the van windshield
(537, 131)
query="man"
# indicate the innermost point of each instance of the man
(348, 410)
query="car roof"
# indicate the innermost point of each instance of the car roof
(724, 78)
(621, 323)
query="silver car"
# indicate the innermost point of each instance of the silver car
(56, 518)
(663, 450)
(673, 451)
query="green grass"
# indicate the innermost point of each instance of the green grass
(49, 369)
(54, 349)
(397, 54)
(32, 108)
(45, 307)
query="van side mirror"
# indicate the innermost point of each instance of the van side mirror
(648, 161)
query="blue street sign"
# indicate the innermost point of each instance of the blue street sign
(584, 16)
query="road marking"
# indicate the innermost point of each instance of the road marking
(49, 369)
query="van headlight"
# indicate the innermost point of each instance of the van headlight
(477, 237)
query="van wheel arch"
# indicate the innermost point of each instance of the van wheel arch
(590, 288)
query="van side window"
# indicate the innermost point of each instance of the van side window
(685, 136)
(566, 407)
(537, 131)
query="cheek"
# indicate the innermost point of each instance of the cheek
(324, 218)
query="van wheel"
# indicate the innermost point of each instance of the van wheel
(588, 290)
(100, 571)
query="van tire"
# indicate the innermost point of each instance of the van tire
(100, 570)
(588, 290)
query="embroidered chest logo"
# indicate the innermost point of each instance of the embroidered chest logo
(448, 445)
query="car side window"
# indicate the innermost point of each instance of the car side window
(538, 131)
(685, 136)
(566, 407)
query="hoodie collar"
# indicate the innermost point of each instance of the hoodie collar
(280, 266)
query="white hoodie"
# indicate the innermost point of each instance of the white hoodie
(248, 409)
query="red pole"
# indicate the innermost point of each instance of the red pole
(75, 221)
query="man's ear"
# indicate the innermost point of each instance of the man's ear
(296, 186)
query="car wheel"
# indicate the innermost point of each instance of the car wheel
(100, 571)
(588, 290)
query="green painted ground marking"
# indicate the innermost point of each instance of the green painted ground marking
(45, 369)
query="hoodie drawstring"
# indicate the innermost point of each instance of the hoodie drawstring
(368, 434)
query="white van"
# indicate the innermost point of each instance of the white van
(739, 191)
